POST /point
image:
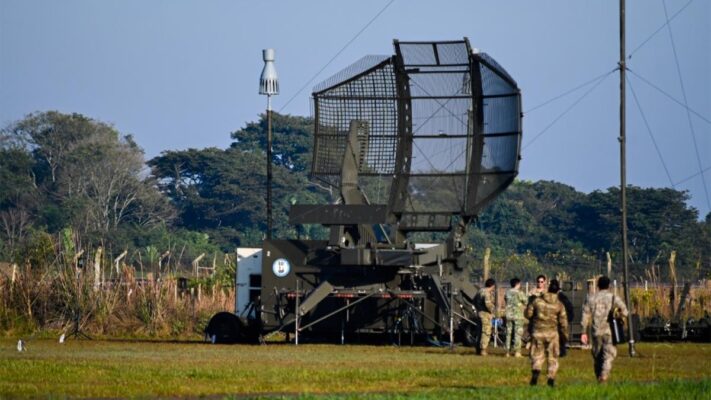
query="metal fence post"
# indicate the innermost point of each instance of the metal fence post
(296, 326)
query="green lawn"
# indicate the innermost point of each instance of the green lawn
(159, 369)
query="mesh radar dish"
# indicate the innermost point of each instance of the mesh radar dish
(438, 131)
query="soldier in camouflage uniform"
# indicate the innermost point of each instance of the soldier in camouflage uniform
(596, 309)
(537, 292)
(485, 310)
(540, 288)
(547, 315)
(516, 302)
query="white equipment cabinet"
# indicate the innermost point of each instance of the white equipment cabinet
(248, 279)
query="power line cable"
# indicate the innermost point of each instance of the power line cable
(649, 130)
(539, 134)
(382, 10)
(568, 92)
(660, 90)
(629, 57)
(688, 114)
(693, 176)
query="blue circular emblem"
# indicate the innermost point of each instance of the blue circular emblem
(281, 267)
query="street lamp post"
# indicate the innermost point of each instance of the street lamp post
(269, 86)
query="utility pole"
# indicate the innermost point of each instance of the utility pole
(623, 177)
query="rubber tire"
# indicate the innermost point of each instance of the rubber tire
(470, 334)
(225, 327)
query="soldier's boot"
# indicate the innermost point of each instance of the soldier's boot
(551, 382)
(534, 377)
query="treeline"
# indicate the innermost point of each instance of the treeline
(553, 228)
(68, 175)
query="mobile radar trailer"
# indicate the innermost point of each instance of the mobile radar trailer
(416, 142)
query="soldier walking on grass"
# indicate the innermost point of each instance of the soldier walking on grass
(485, 310)
(537, 292)
(548, 318)
(515, 305)
(596, 311)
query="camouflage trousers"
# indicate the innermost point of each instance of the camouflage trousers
(485, 319)
(514, 333)
(604, 352)
(545, 345)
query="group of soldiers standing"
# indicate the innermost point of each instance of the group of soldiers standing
(547, 312)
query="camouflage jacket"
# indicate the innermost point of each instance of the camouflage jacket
(535, 294)
(516, 302)
(547, 314)
(596, 310)
(485, 301)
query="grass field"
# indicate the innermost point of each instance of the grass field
(159, 369)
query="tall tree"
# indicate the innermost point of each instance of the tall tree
(659, 220)
(18, 194)
(87, 174)
(222, 191)
(292, 140)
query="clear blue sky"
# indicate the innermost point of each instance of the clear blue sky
(182, 74)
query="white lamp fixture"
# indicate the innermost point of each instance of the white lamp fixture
(268, 82)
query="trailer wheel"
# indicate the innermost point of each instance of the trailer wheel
(224, 327)
(470, 334)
